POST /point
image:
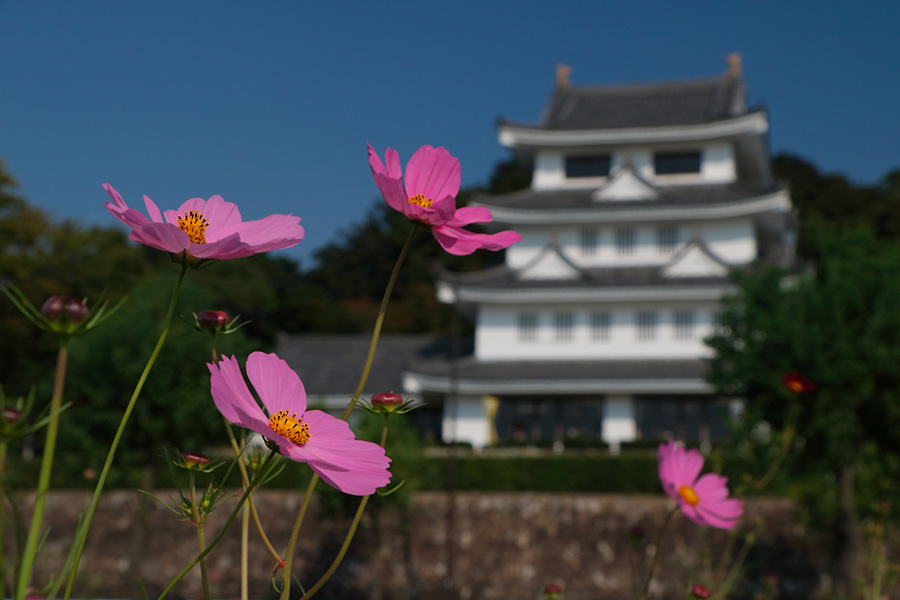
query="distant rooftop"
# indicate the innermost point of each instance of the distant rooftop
(675, 103)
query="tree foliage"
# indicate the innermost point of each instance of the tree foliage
(838, 326)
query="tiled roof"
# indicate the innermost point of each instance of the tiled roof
(669, 197)
(548, 370)
(502, 277)
(332, 364)
(643, 105)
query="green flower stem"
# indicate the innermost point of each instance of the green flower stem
(201, 543)
(350, 533)
(263, 468)
(3, 451)
(81, 535)
(379, 320)
(295, 533)
(645, 588)
(245, 479)
(34, 532)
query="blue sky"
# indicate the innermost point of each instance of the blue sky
(270, 104)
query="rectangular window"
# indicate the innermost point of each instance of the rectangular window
(601, 325)
(588, 242)
(626, 239)
(587, 166)
(684, 324)
(646, 325)
(673, 163)
(564, 326)
(528, 324)
(667, 239)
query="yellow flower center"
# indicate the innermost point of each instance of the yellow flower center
(289, 426)
(688, 494)
(420, 200)
(193, 224)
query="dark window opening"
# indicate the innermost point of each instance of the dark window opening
(587, 166)
(671, 163)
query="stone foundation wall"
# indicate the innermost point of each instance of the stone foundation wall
(466, 546)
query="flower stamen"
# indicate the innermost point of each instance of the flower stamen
(194, 225)
(420, 200)
(289, 426)
(688, 494)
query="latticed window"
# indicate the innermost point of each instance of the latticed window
(601, 325)
(646, 324)
(564, 326)
(626, 239)
(667, 238)
(588, 242)
(684, 324)
(528, 326)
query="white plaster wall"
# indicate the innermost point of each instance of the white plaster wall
(549, 170)
(733, 241)
(619, 423)
(497, 334)
(465, 420)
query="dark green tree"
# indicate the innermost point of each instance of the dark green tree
(840, 327)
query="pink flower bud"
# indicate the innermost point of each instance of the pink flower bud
(552, 591)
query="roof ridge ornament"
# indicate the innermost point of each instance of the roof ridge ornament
(562, 76)
(734, 64)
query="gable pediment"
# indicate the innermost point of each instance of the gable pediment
(695, 261)
(626, 185)
(549, 264)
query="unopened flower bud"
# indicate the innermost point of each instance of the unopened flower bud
(387, 402)
(699, 591)
(59, 306)
(637, 533)
(212, 320)
(11, 415)
(552, 591)
(194, 460)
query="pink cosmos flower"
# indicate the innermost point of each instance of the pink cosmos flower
(429, 198)
(324, 442)
(705, 500)
(205, 229)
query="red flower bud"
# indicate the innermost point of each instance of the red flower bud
(194, 459)
(798, 383)
(699, 591)
(552, 591)
(11, 415)
(212, 320)
(387, 402)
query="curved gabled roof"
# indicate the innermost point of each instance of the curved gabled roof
(642, 105)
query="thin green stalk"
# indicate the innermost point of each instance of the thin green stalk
(81, 535)
(379, 320)
(3, 451)
(263, 468)
(201, 543)
(645, 589)
(343, 551)
(295, 533)
(350, 533)
(34, 532)
(382, 310)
